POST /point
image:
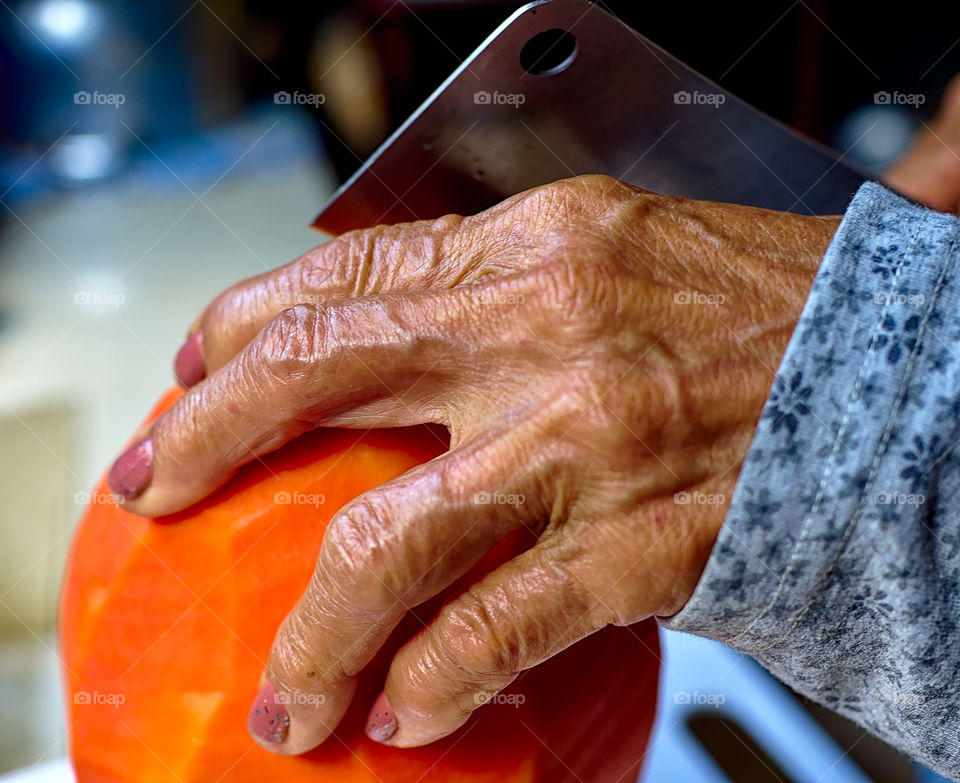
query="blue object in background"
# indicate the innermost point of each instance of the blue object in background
(82, 81)
(699, 675)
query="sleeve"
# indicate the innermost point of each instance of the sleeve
(838, 563)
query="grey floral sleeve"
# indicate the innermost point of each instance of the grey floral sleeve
(838, 564)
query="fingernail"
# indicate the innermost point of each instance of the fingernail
(189, 366)
(381, 722)
(268, 719)
(131, 473)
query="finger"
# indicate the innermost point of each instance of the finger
(372, 362)
(929, 171)
(390, 550)
(403, 257)
(523, 613)
(425, 255)
(582, 576)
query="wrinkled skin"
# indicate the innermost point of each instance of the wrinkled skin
(591, 347)
(594, 350)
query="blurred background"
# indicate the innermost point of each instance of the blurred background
(153, 153)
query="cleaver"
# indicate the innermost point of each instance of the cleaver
(563, 88)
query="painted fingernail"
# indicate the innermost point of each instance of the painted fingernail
(131, 473)
(381, 722)
(189, 366)
(268, 719)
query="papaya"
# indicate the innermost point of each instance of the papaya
(165, 626)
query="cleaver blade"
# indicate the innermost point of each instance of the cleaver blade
(563, 88)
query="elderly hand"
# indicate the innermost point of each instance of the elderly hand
(599, 351)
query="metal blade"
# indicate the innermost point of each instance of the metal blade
(618, 105)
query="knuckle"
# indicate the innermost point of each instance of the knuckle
(404, 255)
(428, 254)
(586, 195)
(483, 641)
(554, 202)
(357, 553)
(325, 268)
(290, 343)
(355, 535)
(600, 187)
(452, 481)
(345, 267)
(348, 263)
